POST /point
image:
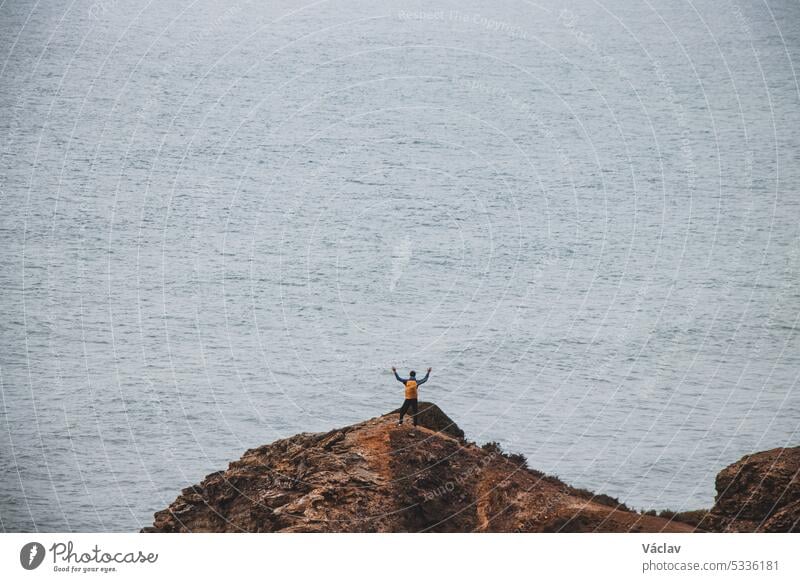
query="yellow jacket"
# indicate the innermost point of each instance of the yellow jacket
(411, 389)
(411, 385)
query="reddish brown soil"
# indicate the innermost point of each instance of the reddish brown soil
(376, 477)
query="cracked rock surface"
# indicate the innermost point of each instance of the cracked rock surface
(376, 476)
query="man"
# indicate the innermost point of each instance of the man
(411, 385)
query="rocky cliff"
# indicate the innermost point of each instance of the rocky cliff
(378, 477)
(760, 492)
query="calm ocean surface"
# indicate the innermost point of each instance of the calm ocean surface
(221, 224)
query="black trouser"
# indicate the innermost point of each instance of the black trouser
(412, 402)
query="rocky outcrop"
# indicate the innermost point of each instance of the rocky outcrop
(431, 416)
(760, 492)
(376, 476)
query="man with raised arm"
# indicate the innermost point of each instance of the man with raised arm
(411, 384)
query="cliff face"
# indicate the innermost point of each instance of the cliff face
(760, 492)
(376, 477)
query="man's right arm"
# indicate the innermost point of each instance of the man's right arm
(399, 379)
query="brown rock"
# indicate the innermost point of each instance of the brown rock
(375, 477)
(760, 492)
(432, 417)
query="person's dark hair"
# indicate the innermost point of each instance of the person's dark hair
(412, 373)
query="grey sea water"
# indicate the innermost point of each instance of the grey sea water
(222, 223)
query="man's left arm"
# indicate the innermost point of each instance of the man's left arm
(425, 379)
